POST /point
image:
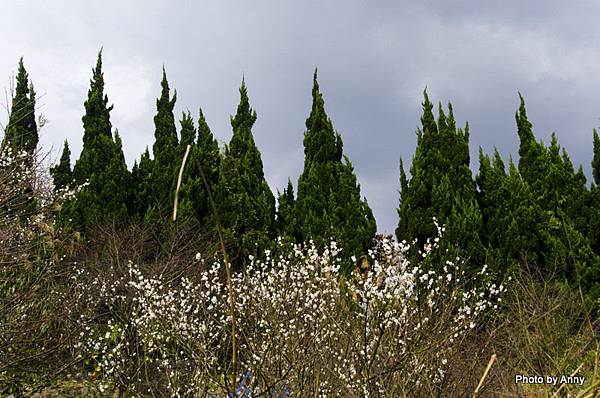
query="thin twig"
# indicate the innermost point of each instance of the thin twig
(563, 384)
(187, 151)
(228, 271)
(489, 365)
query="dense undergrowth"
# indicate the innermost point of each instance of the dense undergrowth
(141, 313)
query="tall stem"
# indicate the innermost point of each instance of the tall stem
(229, 280)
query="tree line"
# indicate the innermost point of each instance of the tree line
(537, 212)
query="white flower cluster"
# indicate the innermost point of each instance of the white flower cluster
(299, 324)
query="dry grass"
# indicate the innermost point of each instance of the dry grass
(544, 330)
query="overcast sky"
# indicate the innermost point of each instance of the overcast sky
(374, 60)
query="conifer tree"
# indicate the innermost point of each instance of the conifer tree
(101, 164)
(62, 173)
(287, 219)
(594, 199)
(187, 133)
(519, 220)
(164, 164)
(141, 183)
(539, 214)
(20, 139)
(532, 154)
(441, 186)
(204, 154)
(21, 131)
(329, 204)
(246, 203)
(209, 156)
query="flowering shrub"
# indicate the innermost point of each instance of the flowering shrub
(29, 315)
(389, 331)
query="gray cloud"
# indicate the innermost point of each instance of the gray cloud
(374, 62)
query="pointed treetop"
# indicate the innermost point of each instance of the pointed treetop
(498, 162)
(321, 142)
(523, 124)
(317, 118)
(96, 121)
(165, 131)
(245, 116)
(204, 134)
(61, 173)
(288, 192)
(596, 159)
(21, 130)
(97, 81)
(164, 95)
(66, 154)
(188, 131)
(442, 121)
(482, 155)
(99, 59)
(428, 120)
(451, 122)
(403, 179)
(21, 91)
(22, 75)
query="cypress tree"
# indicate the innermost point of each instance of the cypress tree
(532, 154)
(141, 183)
(164, 165)
(441, 186)
(287, 219)
(329, 204)
(540, 213)
(209, 156)
(62, 173)
(19, 143)
(246, 203)
(594, 198)
(491, 177)
(187, 133)
(204, 154)
(592, 273)
(101, 164)
(519, 220)
(416, 211)
(21, 131)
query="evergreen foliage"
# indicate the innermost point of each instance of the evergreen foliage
(204, 154)
(287, 219)
(21, 139)
(246, 203)
(141, 183)
(62, 173)
(329, 204)
(188, 135)
(101, 164)
(596, 159)
(532, 154)
(538, 212)
(594, 199)
(441, 186)
(164, 164)
(542, 213)
(21, 131)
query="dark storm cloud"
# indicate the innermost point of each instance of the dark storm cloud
(374, 60)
